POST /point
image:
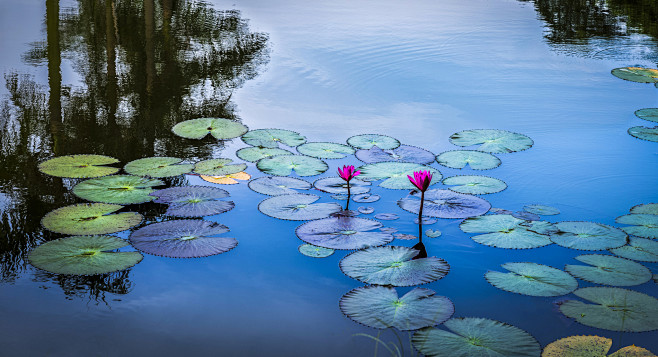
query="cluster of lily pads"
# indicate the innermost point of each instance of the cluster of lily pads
(641, 75)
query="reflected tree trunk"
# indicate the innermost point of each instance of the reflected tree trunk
(54, 74)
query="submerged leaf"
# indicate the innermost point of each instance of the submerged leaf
(445, 204)
(403, 153)
(325, 150)
(284, 165)
(636, 74)
(231, 179)
(193, 201)
(275, 186)
(588, 236)
(270, 138)
(219, 128)
(474, 184)
(297, 207)
(312, 251)
(492, 140)
(650, 114)
(609, 270)
(90, 219)
(117, 189)
(79, 166)
(253, 154)
(158, 167)
(642, 225)
(343, 232)
(644, 250)
(395, 174)
(367, 141)
(477, 160)
(338, 185)
(218, 167)
(644, 133)
(532, 279)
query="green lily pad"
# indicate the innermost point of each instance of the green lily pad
(367, 141)
(380, 307)
(90, 219)
(433, 233)
(284, 165)
(647, 208)
(158, 167)
(253, 154)
(193, 201)
(270, 138)
(588, 236)
(642, 225)
(343, 232)
(650, 114)
(636, 74)
(79, 166)
(325, 150)
(297, 207)
(275, 186)
(403, 153)
(492, 140)
(392, 265)
(219, 128)
(503, 231)
(445, 204)
(609, 270)
(474, 184)
(312, 251)
(476, 337)
(477, 160)
(83, 255)
(644, 133)
(532, 279)
(644, 250)
(395, 174)
(117, 189)
(338, 185)
(613, 309)
(541, 210)
(590, 346)
(218, 167)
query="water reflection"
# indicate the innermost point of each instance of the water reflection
(96, 289)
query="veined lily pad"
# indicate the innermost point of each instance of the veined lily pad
(532, 279)
(158, 167)
(650, 114)
(392, 265)
(90, 219)
(433, 233)
(526, 216)
(270, 138)
(541, 210)
(339, 196)
(367, 141)
(380, 307)
(338, 185)
(219, 128)
(297, 207)
(275, 186)
(642, 225)
(636, 74)
(117, 189)
(492, 140)
(403, 153)
(477, 160)
(426, 220)
(218, 167)
(590, 346)
(183, 238)
(325, 150)
(445, 204)
(253, 154)
(647, 208)
(644, 133)
(644, 250)
(474, 184)
(366, 198)
(284, 165)
(588, 236)
(343, 232)
(476, 337)
(395, 174)
(193, 201)
(613, 309)
(79, 166)
(366, 210)
(312, 251)
(503, 231)
(231, 179)
(387, 216)
(609, 270)
(83, 255)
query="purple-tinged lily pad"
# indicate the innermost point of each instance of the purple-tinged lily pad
(526, 216)
(343, 232)
(405, 236)
(366, 198)
(297, 207)
(275, 186)
(445, 204)
(426, 220)
(541, 210)
(403, 153)
(193, 201)
(366, 210)
(339, 186)
(387, 216)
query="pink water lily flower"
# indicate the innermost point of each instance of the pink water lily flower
(421, 179)
(348, 172)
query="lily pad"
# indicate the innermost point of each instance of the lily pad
(312, 251)
(526, 216)
(426, 220)
(476, 337)
(343, 232)
(232, 179)
(275, 186)
(218, 167)
(366, 210)
(636, 74)
(158, 167)
(338, 185)
(79, 166)
(219, 128)
(644, 133)
(647, 208)
(650, 114)
(193, 201)
(183, 238)
(339, 196)
(474, 184)
(395, 174)
(366, 198)
(284, 165)
(270, 138)
(403, 153)
(532, 279)
(477, 160)
(503, 231)
(644, 250)
(387, 216)
(90, 219)
(642, 225)
(297, 207)
(404, 236)
(541, 210)
(609, 270)
(253, 154)
(394, 266)
(83, 255)
(588, 236)
(492, 140)
(117, 189)
(445, 204)
(367, 141)
(590, 346)
(613, 309)
(325, 150)
(380, 307)
(433, 233)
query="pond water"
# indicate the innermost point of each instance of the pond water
(113, 77)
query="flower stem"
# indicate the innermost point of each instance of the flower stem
(347, 205)
(420, 217)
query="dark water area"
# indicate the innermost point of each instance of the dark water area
(113, 77)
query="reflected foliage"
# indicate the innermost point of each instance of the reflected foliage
(95, 288)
